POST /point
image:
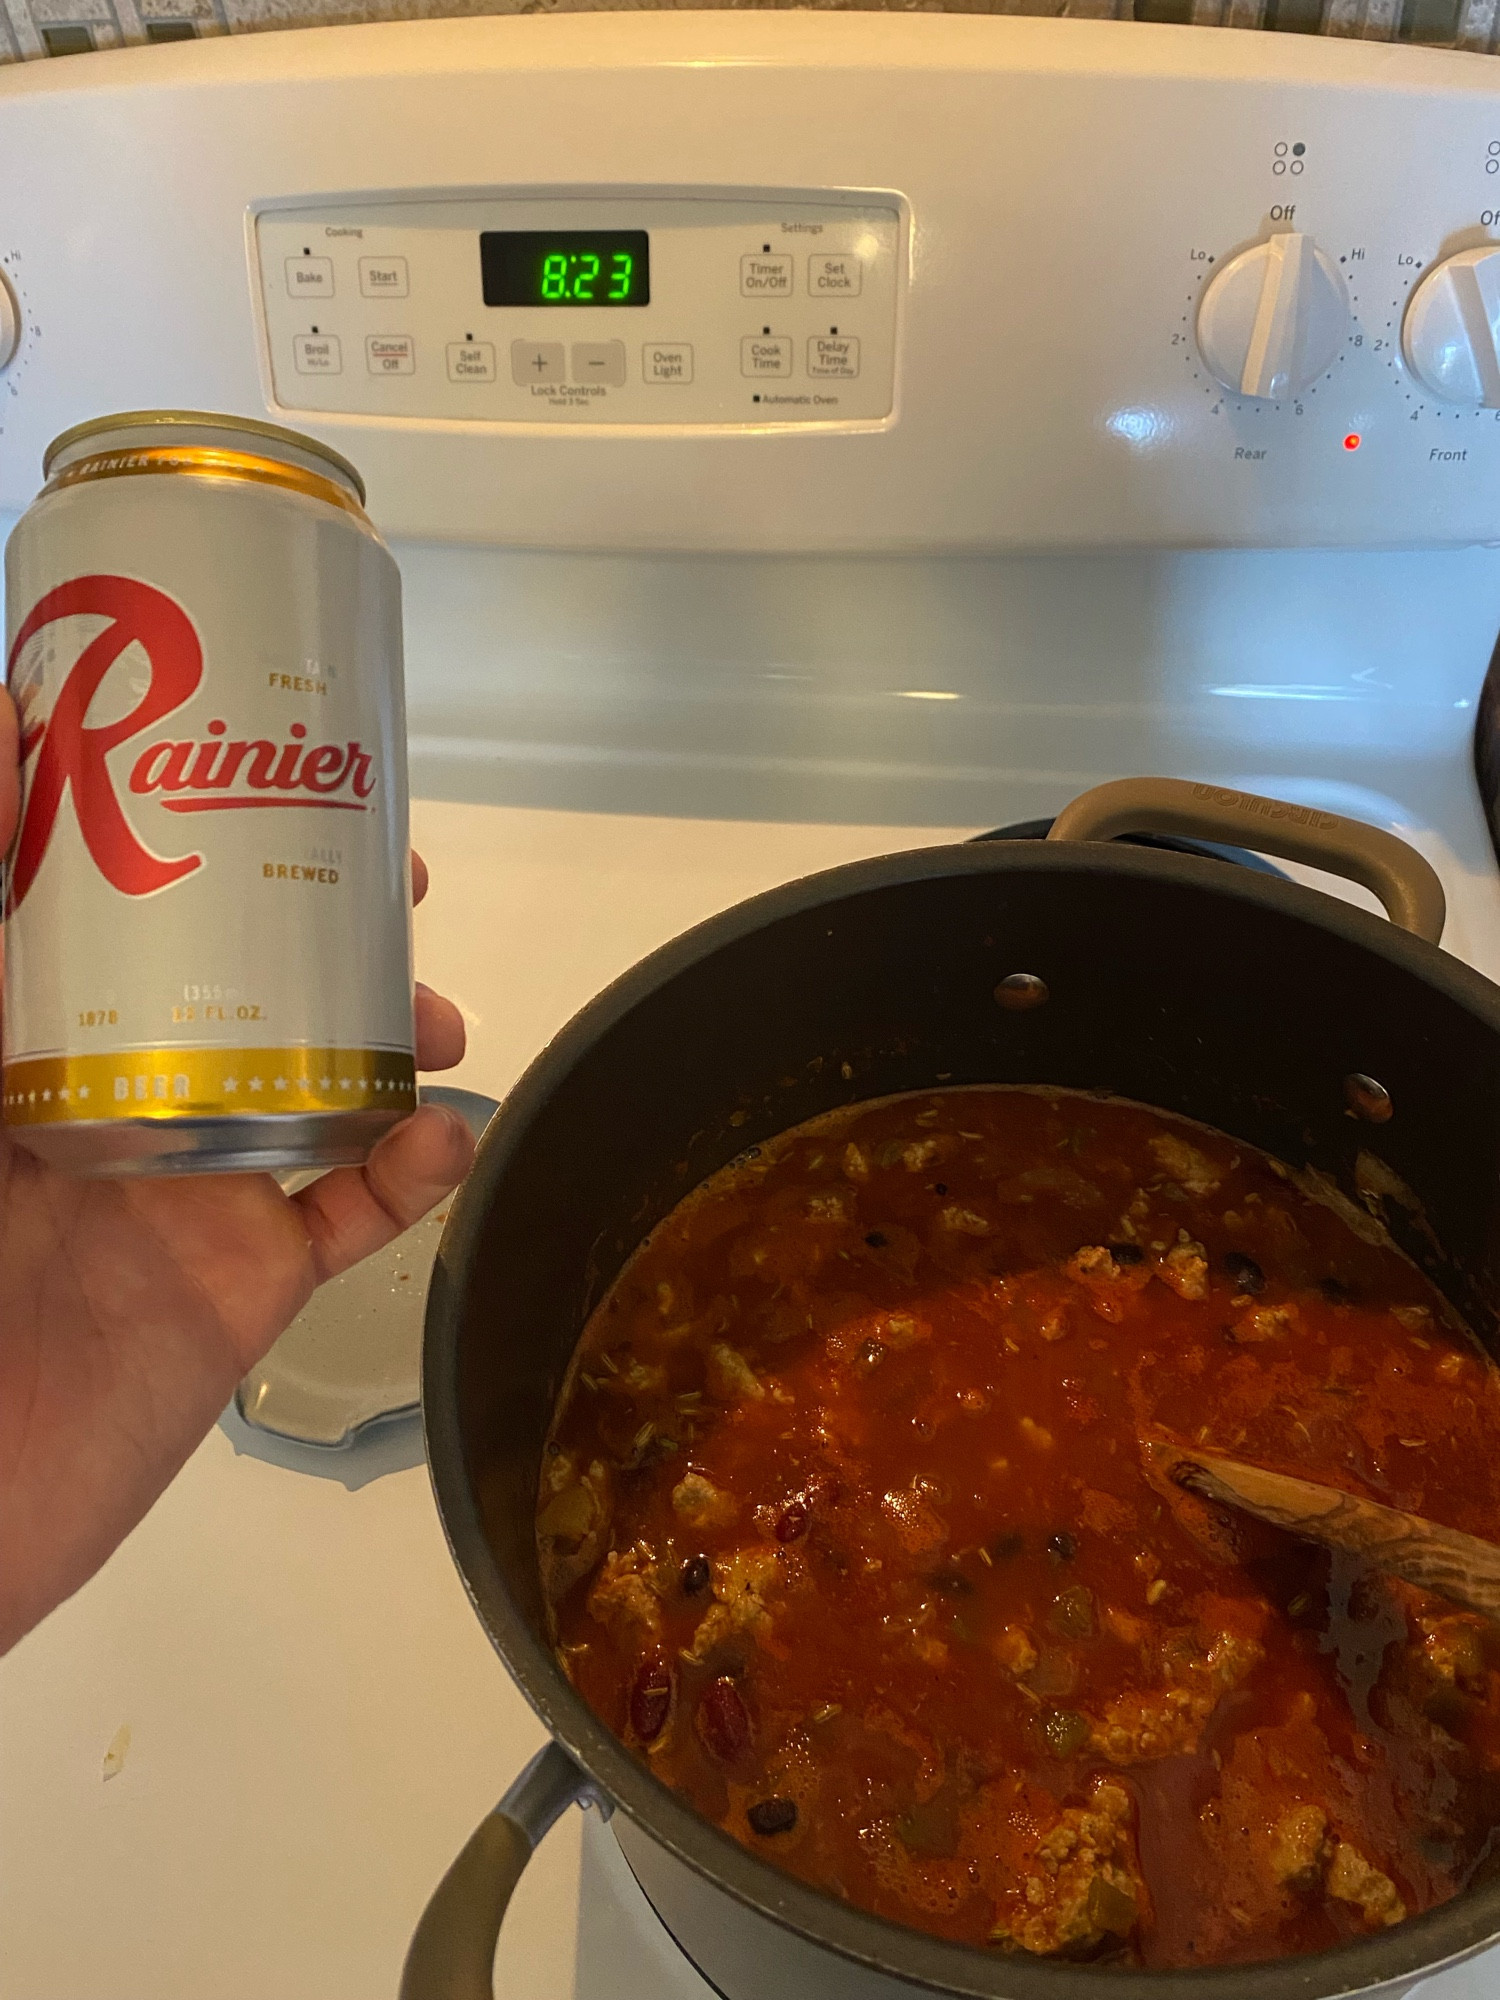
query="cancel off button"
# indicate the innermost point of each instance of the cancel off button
(833, 354)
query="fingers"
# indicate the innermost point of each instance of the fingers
(354, 1211)
(440, 1030)
(418, 877)
(10, 776)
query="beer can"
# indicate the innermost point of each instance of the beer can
(207, 908)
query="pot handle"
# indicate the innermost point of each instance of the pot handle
(1404, 880)
(452, 1952)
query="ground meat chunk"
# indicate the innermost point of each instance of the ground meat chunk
(1015, 1651)
(1299, 1846)
(730, 1377)
(1185, 1269)
(919, 1527)
(1264, 1323)
(1452, 1651)
(1140, 1726)
(1193, 1171)
(702, 1504)
(1352, 1879)
(1081, 1886)
(623, 1597)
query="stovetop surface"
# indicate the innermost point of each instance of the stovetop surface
(316, 1717)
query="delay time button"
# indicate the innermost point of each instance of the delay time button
(537, 361)
(833, 354)
(765, 354)
(765, 277)
(835, 277)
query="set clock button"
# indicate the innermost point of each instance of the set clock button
(1273, 320)
(835, 277)
(309, 277)
(537, 361)
(599, 361)
(471, 361)
(1450, 338)
(833, 355)
(766, 277)
(765, 354)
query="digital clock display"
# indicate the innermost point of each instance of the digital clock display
(565, 267)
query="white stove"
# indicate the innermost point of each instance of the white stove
(663, 654)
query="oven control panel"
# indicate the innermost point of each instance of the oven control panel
(658, 312)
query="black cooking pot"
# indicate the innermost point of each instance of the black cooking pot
(1302, 1025)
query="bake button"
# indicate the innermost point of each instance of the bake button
(382, 277)
(390, 354)
(309, 277)
(666, 364)
(599, 361)
(471, 361)
(765, 354)
(765, 277)
(318, 354)
(835, 277)
(537, 361)
(833, 354)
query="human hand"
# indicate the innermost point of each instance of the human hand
(130, 1309)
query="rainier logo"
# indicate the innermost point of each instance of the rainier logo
(211, 775)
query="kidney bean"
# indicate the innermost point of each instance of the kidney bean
(651, 1700)
(773, 1816)
(723, 1721)
(794, 1519)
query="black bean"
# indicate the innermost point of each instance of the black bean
(1126, 1253)
(1244, 1272)
(1006, 1545)
(773, 1816)
(1335, 1291)
(952, 1582)
(1062, 1547)
(695, 1575)
(876, 1239)
(940, 1187)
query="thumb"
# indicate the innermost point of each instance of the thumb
(10, 777)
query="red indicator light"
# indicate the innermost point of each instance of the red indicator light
(1353, 441)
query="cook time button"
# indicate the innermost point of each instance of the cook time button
(835, 277)
(765, 354)
(833, 354)
(390, 354)
(765, 277)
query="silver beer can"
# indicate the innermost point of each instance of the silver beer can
(208, 903)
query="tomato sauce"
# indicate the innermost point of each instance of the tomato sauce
(848, 1532)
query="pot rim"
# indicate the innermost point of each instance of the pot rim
(1416, 1948)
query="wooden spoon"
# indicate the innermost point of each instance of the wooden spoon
(1456, 1566)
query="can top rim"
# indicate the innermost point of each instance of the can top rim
(98, 427)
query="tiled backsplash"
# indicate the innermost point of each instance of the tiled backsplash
(33, 28)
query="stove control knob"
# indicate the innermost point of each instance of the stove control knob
(1273, 320)
(10, 324)
(1452, 329)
